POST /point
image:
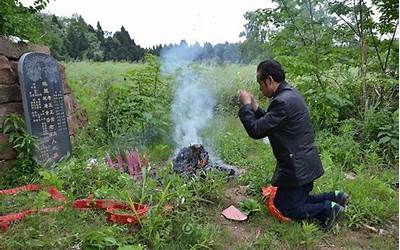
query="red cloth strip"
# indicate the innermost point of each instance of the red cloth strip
(269, 195)
(29, 187)
(139, 211)
(6, 220)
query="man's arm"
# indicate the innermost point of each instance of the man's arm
(259, 112)
(256, 108)
(260, 127)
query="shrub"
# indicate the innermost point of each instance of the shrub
(328, 104)
(137, 112)
(381, 126)
(24, 168)
(344, 150)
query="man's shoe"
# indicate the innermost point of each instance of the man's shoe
(334, 214)
(341, 198)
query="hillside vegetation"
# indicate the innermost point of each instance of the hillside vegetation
(341, 55)
(106, 91)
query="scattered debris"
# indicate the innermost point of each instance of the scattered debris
(373, 229)
(167, 208)
(350, 175)
(232, 213)
(383, 232)
(92, 162)
(376, 230)
(231, 171)
(16, 39)
(243, 190)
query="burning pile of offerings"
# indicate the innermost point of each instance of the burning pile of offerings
(195, 160)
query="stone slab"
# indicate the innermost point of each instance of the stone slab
(7, 74)
(73, 126)
(10, 93)
(14, 66)
(10, 108)
(6, 152)
(16, 50)
(5, 165)
(70, 104)
(43, 101)
(67, 89)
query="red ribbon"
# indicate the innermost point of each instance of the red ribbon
(6, 220)
(139, 210)
(269, 195)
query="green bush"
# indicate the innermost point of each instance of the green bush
(137, 112)
(328, 104)
(344, 150)
(24, 169)
(89, 80)
(381, 127)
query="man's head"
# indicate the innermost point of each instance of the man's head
(269, 75)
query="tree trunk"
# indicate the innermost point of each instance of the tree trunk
(363, 68)
(316, 49)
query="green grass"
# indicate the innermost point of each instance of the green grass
(195, 222)
(88, 79)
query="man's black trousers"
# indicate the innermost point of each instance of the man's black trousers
(297, 203)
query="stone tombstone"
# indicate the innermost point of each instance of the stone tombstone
(43, 103)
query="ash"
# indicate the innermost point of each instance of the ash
(195, 160)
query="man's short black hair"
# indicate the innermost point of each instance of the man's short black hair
(272, 68)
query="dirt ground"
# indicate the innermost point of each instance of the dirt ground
(239, 232)
(364, 238)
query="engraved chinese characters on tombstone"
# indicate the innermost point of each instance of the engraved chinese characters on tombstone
(43, 102)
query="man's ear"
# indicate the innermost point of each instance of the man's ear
(271, 79)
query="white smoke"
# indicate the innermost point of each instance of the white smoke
(193, 104)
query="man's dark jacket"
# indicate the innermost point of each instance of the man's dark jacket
(288, 127)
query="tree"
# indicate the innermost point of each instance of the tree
(293, 31)
(386, 27)
(313, 37)
(100, 33)
(208, 51)
(127, 49)
(76, 42)
(110, 47)
(55, 35)
(21, 21)
(357, 17)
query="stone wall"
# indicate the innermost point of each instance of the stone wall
(10, 95)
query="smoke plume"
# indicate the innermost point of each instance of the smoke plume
(193, 103)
